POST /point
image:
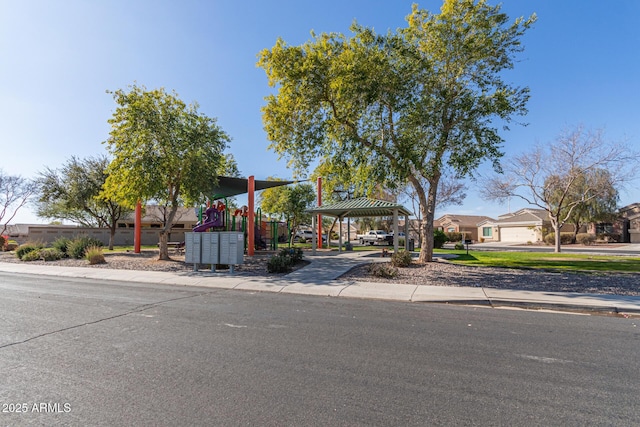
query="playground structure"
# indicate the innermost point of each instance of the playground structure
(216, 216)
(264, 234)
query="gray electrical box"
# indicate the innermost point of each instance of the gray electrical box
(231, 248)
(192, 248)
(210, 248)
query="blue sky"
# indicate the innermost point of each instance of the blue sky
(57, 59)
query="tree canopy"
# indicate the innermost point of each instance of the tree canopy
(405, 104)
(163, 150)
(74, 193)
(289, 203)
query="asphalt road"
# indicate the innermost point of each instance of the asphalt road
(75, 352)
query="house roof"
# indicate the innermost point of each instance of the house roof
(462, 220)
(523, 217)
(361, 207)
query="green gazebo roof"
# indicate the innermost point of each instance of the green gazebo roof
(361, 207)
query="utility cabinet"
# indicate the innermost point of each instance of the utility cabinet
(220, 247)
(210, 248)
(192, 248)
(231, 247)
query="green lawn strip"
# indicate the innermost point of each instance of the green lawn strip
(548, 261)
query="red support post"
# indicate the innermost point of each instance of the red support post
(137, 231)
(320, 216)
(251, 226)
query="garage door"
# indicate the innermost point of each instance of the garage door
(517, 234)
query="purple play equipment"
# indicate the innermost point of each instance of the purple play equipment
(212, 218)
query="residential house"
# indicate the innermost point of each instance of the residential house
(525, 225)
(465, 224)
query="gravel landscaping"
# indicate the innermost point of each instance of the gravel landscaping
(440, 273)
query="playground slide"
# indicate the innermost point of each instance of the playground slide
(206, 225)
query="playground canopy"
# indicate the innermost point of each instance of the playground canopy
(229, 186)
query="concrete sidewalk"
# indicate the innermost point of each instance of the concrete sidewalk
(319, 278)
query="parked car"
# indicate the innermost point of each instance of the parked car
(374, 237)
(306, 235)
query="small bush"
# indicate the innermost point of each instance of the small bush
(565, 238)
(609, 237)
(453, 236)
(439, 238)
(295, 254)
(50, 254)
(22, 250)
(585, 238)
(11, 245)
(94, 255)
(3, 242)
(384, 270)
(33, 255)
(401, 259)
(61, 244)
(279, 264)
(78, 247)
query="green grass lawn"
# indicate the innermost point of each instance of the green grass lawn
(548, 261)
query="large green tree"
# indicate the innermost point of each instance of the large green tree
(289, 203)
(73, 192)
(163, 151)
(405, 103)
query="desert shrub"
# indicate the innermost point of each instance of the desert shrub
(33, 255)
(295, 254)
(453, 236)
(565, 238)
(78, 246)
(585, 238)
(61, 244)
(439, 238)
(11, 245)
(401, 259)
(3, 242)
(94, 255)
(459, 246)
(384, 270)
(279, 264)
(50, 254)
(22, 250)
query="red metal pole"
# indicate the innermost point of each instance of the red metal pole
(251, 227)
(137, 232)
(320, 216)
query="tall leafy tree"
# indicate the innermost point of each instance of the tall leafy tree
(289, 203)
(163, 151)
(73, 193)
(15, 192)
(601, 207)
(578, 170)
(406, 103)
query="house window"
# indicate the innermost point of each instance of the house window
(486, 231)
(451, 230)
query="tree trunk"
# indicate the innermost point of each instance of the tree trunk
(162, 245)
(556, 230)
(427, 212)
(112, 235)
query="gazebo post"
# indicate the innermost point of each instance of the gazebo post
(339, 234)
(395, 230)
(313, 238)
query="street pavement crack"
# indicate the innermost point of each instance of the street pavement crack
(138, 309)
